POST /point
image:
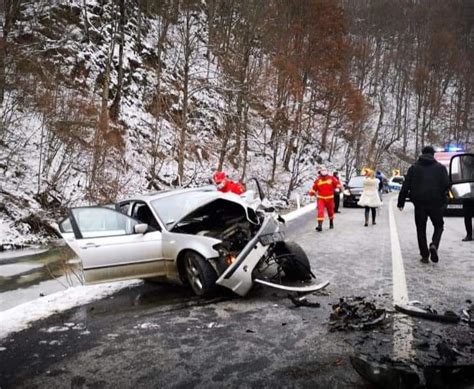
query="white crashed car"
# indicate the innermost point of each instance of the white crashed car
(198, 237)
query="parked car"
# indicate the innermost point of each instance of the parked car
(461, 177)
(454, 204)
(352, 191)
(198, 237)
(395, 183)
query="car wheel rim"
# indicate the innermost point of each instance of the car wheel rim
(193, 274)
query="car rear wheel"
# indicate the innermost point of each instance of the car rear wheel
(199, 274)
(293, 261)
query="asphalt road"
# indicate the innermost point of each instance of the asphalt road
(157, 335)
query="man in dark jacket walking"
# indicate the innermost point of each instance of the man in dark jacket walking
(426, 183)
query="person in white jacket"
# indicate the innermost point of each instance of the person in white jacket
(370, 196)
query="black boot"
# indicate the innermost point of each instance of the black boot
(366, 221)
(331, 223)
(468, 238)
(319, 228)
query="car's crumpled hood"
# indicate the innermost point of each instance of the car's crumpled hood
(216, 197)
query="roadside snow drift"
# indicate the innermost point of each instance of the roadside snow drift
(19, 317)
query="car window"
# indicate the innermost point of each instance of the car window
(65, 225)
(398, 180)
(94, 222)
(170, 209)
(142, 212)
(357, 181)
(124, 207)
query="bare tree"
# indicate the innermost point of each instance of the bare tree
(115, 107)
(8, 15)
(189, 41)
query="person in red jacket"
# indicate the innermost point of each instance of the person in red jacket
(323, 188)
(225, 185)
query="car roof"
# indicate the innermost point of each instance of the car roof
(213, 193)
(170, 192)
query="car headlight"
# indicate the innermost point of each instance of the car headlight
(228, 257)
(346, 192)
(221, 249)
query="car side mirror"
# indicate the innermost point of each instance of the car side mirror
(141, 228)
(461, 176)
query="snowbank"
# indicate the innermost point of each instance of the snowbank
(19, 317)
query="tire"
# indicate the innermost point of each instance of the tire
(294, 261)
(199, 274)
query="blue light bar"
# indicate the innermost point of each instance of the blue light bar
(454, 148)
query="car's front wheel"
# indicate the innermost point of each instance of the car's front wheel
(293, 261)
(199, 274)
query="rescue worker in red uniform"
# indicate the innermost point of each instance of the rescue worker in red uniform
(225, 185)
(323, 188)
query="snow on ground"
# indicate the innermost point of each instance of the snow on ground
(293, 215)
(19, 317)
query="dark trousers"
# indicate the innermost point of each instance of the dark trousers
(468, 208)
(337, 200)
(366, 213)
(422, 213)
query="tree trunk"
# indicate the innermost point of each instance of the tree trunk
(115, 108)
(11, 8)
(156, 129)
(293, 135)
(187, 47)
(103, 125)
(85, 20)
(246, 144)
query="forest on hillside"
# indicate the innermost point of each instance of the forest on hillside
(100, 98)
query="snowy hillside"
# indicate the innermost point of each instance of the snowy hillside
(105, 99)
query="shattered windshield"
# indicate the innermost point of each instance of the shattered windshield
(170, 209)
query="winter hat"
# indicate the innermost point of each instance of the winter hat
(219, 177)
(428, 150)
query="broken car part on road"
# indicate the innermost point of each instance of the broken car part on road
(390, 374)
(427, 313)
(354, 313)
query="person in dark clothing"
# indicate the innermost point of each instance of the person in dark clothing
(426, 183)
(468, 208)
(337, 193)
(468, 203)
(379, 177)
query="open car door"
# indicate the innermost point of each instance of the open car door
(113, 246)
(461, 176)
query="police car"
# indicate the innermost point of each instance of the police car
(443, 156)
